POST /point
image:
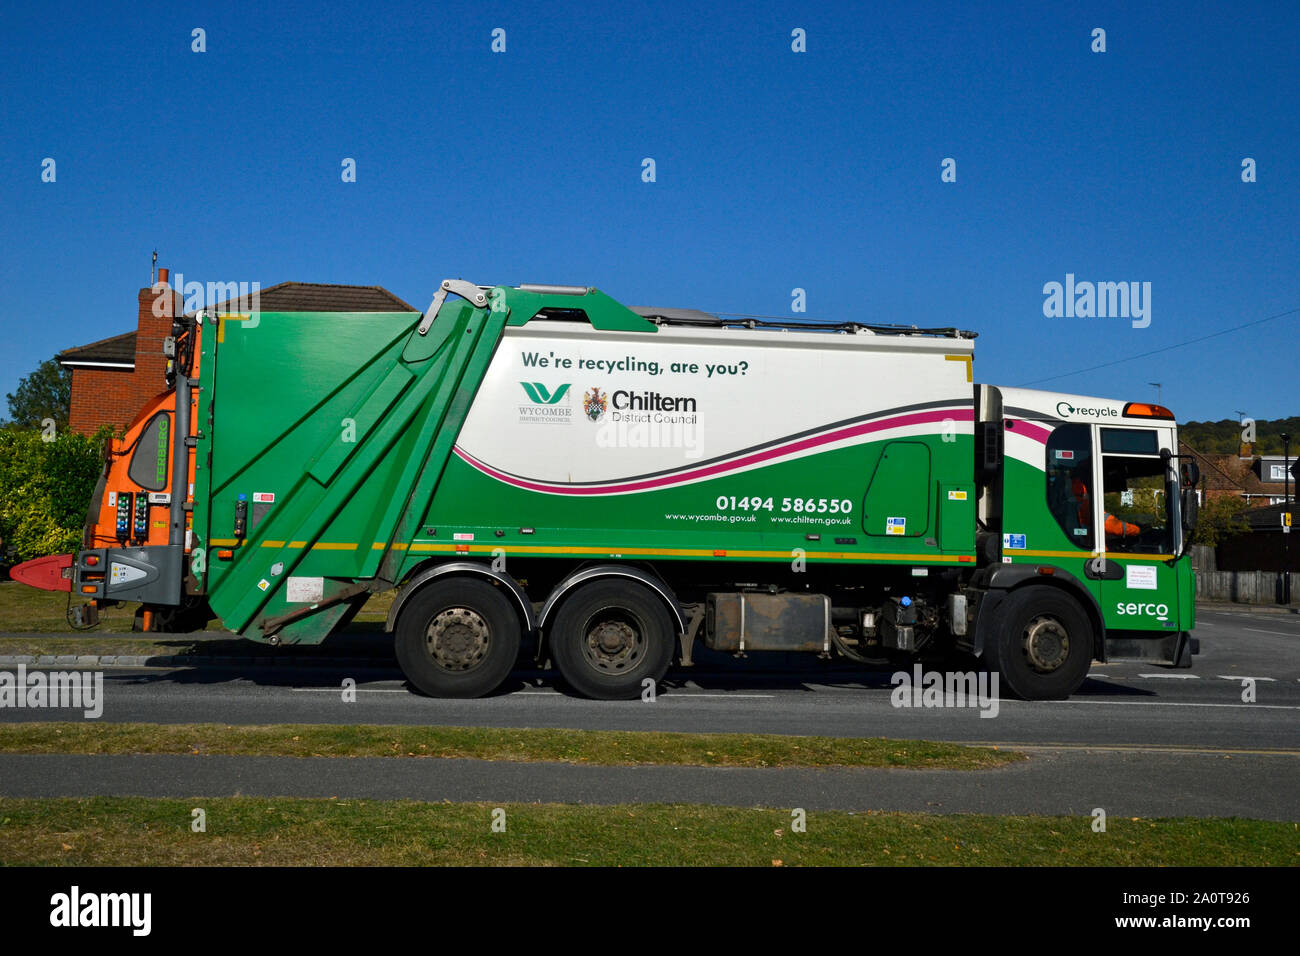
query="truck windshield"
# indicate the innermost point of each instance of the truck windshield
(1138, 507)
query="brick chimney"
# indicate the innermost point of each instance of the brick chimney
(157, 306)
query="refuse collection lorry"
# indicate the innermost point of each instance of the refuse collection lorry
(541, 470)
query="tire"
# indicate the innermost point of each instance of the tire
(609, 636)
(457, 638)
(1041, 644)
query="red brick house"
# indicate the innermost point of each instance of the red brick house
(1257, 479)
(114, 377)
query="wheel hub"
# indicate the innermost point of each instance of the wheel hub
(613, 644)
(457, 639)
(1046, 644)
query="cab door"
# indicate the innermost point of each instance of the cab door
(1135, 511)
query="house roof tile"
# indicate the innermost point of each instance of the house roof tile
(283, 297)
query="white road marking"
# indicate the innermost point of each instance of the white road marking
(674, 695)
(1170, 676)
(671, 695)
(1154, 703)
(1260, 630)
(1230, 677)
(1132, 748)
(358, 690)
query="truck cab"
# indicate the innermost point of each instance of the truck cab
(1085, 497)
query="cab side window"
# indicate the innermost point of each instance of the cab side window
(149, 462)
(1069, 477)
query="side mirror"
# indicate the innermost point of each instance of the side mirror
(1191, 509)
(1191, 474)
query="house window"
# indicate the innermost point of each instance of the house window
(1276, 472)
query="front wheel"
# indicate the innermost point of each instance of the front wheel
(1041, 644)
(609, 637)
(457, 638)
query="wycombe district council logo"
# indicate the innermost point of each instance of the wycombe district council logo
(594, 404)
(546, 406)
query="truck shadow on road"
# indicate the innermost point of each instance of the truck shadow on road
(679, 682)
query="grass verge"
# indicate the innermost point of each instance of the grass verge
(137, 831)
(98, 644)
(24, 609)
(604, 747)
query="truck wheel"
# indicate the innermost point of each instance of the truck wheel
(457, 638)
(1041, 644)
(609, 637)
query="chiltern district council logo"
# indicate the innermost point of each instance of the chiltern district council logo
(594, 404)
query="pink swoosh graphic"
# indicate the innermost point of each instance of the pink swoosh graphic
(709, 471)
(1029, 430)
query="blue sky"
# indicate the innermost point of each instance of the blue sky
(775, 170)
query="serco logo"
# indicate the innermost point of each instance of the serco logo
(1145, 610)
(1065, 409)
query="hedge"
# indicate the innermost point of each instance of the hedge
(45, 489)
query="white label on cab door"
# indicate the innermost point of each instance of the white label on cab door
(1141, 577)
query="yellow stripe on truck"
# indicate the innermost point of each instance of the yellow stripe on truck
(454, 548)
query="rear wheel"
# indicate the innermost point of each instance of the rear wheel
(609, 637)
(1041, 644)
(457, 638)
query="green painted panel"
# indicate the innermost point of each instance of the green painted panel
(957, 516)
(897, 502)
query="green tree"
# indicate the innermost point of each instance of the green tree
(45, 393)
(1220, 517)
(1224, 437)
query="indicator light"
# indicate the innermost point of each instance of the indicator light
(241, 515)
(123, 515)
(1146, 410)
(140, 530)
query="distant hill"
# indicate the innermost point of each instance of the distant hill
(1224, 437)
